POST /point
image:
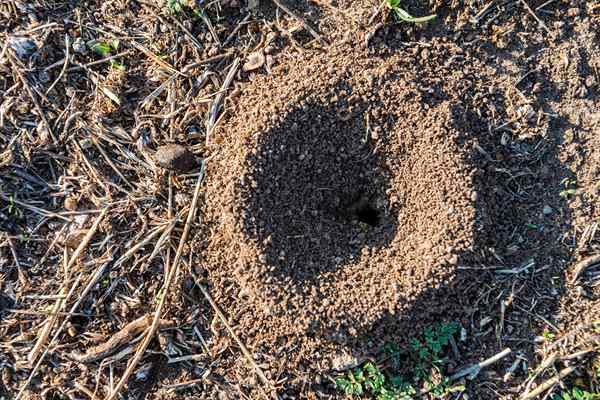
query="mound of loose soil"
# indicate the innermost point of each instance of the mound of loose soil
(341, 191)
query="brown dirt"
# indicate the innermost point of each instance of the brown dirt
(355, 193)
(292, 168)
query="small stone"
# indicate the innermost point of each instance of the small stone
(582, 92)
(375, 133)
(474, 196)
(270, 62)
(213, 51)
(255, 61)
(79, 46)
(271, 36)
(547, 210)
(590, 81)
(70, 203)
(175, 157)
(24, 47)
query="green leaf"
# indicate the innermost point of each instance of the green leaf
(405, 16)
(117, 65)
(102, 48)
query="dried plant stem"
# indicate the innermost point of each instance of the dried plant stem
(309, 28)
(215, 109)
(74, 258)
(235, 337)
(64, 68)
(548, 384)
(164, 291)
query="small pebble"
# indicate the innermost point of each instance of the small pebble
(547, 210)
(79, 46)
(175, 157)
(70, 203)
(255, 61)
(22, 46)
(474, 196)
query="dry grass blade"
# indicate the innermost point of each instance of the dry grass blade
(116, 341)
(235, 337)
(581, 266)
(550, 383)
(215, 109)
(164, 291)
(74, 258)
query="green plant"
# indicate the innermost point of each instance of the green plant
(176, 6)
(570, 188)
(402, 14)
(423, 360)
(106, 48)
(576, 394)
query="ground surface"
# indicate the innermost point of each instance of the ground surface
(360, 180)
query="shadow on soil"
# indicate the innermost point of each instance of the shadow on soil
(316, 200)
(515, 182)
(312, 195)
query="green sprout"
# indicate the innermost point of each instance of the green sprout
(576, 394)
(176, 6)
(106, 48)
(425, 355)
(570, 188)
(402, 14)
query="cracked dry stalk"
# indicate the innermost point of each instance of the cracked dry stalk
(168, 280)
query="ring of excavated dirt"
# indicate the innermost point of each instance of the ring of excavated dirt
(338, 195)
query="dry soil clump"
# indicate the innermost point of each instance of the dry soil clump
(340, 192)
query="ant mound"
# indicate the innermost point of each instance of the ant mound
(336, 195)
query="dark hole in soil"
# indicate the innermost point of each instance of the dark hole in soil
(310, 180)
(368, 215)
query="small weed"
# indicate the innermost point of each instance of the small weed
(423, 359)
(176, 6)
(13, 209)
(548, 335)
(106, 48)
(570, 188)
(402, 14)
(576, 394)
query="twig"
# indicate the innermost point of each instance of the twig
(582, 265)
(36, 104)
(184, 385)
(111, 163)
(116, 341)
(156, 59)
(168, 280)
(89, 287)
(185, 31)
(548, 384)
(313, 32)
(236, 30)
(376, 13)
(64, 68)
(35, 209)
(542, 24)
(247, 354)
(98, 62)
(135, 248)
(473, 370)
(216, 105)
